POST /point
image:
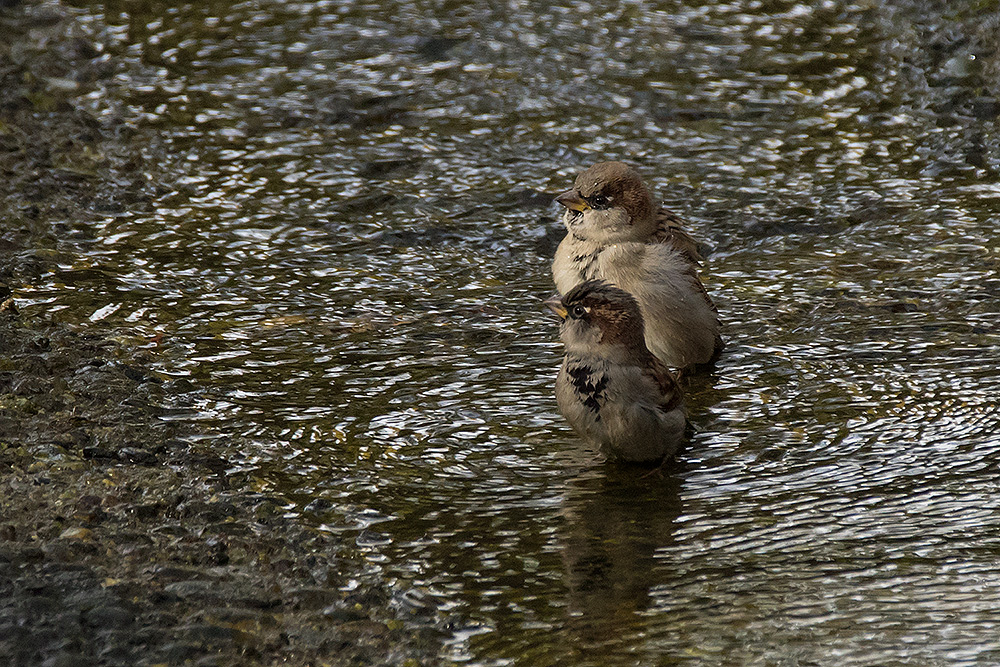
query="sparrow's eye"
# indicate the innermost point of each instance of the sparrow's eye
(599, 202)
(577, 311)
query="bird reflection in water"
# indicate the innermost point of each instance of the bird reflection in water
(617, 518)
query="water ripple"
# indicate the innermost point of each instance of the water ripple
(347, 264)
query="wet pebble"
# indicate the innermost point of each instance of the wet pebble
(312, 598)
(108, 617)
(68, 659)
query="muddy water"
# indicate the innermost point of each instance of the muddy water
(342, 270)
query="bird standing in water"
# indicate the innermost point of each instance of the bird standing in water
(616, 233)
(611, 388)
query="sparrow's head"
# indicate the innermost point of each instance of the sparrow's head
(599, 319)
(609, 203)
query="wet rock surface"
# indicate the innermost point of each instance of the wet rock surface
(122, 544)
(121, 541)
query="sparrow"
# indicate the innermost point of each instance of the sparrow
(610, 387)
(616, 233)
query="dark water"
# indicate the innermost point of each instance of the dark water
(350, 246)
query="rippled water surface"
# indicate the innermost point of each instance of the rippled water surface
(344, 262)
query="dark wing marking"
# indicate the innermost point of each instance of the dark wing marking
(670, 393)
(670, 230)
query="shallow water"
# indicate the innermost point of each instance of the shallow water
(344, 264)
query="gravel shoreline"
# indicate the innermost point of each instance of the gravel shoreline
(121, 541)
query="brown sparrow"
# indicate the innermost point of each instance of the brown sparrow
(616, 233)
(610, 388)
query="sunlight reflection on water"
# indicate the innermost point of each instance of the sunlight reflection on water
(347, 263)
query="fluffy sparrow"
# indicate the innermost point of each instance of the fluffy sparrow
(617, 234)
(610, 388)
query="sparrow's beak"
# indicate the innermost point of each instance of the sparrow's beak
(555, 304)
(571, 199)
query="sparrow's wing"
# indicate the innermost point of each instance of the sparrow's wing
(670, 393)
(696, 279)
(719, 343)
(670, 230)
(671, 233)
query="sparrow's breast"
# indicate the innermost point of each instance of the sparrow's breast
(586, 265)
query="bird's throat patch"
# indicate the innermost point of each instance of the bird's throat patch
(590, 385)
